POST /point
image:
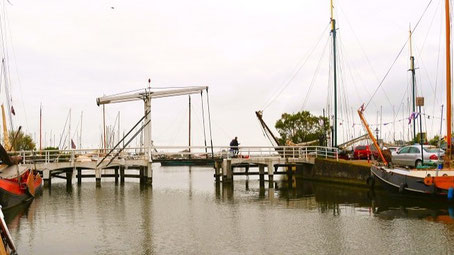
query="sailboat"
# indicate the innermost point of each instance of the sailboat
(18, 183)
(438, 182)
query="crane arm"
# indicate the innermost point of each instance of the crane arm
(363, 120)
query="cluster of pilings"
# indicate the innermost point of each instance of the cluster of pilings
(225, 169)
(118, 172)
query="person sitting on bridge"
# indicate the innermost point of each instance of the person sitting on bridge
(234, 146)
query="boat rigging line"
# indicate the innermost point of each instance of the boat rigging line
(298, 68)
(203, 122)
(397, 57)
(130, 140)
(209, 122)
(124, 137)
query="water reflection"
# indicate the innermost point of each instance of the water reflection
(336, 199)
(187, 212)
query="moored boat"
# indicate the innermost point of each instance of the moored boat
(438, 182)
(18, 183)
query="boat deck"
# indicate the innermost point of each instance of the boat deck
(422, 173)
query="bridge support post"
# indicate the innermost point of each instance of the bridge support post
(79, 176)
(217, 170)
(227, 172)
(69, 177)
(148, 171)
(116, 174)
(270, 171)
(122, 174)
(47, 178)
(149, 174)
(98, 177)
(262, 174)
(141, 175)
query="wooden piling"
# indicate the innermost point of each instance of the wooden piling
(217, 170)
(270, 170)
(116, 175)
(142, 175)
(79, 176)
(122, 174)
(149, 174)
(98, 177)
(262, 173)
(47, 178)
(69, 177)
(227, 171)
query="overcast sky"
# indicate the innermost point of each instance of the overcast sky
(64, 54)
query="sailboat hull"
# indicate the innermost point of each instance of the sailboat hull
(405, 181)
(19, 189)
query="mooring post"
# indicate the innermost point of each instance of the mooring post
(122, 174)
(47, 178)
(98, 177)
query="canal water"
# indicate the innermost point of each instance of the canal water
(185, 212)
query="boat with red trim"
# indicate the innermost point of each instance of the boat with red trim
(18, 183)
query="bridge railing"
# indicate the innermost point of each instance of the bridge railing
(177, 152)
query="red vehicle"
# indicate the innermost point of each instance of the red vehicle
(362, 152)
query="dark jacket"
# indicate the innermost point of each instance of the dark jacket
(234, 143)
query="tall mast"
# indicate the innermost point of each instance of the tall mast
(333, 31)
(69, 130)
(80, 134)
(412, 69)
(40, 126)
(448, 84)
(189, 126)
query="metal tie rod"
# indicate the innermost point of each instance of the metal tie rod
(148, 112)
(130, 140)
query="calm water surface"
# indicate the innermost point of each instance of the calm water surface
(185, 212)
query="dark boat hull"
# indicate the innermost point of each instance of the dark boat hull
(14, 192)
(400, 182)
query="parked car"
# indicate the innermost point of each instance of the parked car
(411, 156)
(362, 152)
